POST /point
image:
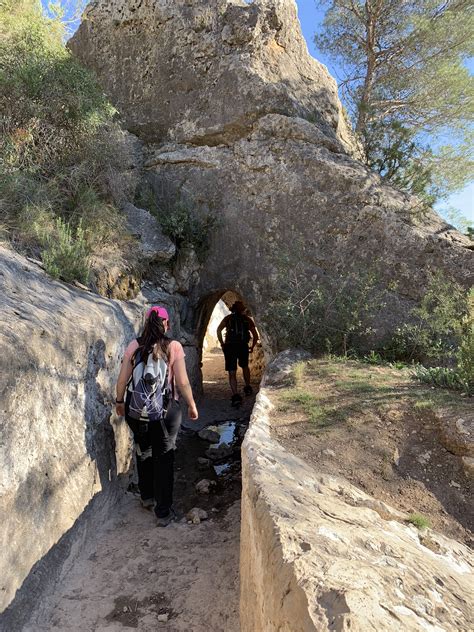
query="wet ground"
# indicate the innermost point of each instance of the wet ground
(224, 472)
(130, 574)
(215, 412)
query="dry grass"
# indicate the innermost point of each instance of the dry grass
(327, 392)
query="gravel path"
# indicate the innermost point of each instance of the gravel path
(132, 574)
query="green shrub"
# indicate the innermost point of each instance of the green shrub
(66, 253)
(50, 104)
(297, 372)
(454, 318)
(465, 353)
(185, 228)
(443, 377)
(419, 521)
(335, 317)
(373, 357)
(331, 317)
(465, 359)
(61, 154)
(435, 328)
(178, 220)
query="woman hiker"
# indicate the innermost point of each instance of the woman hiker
(152, 366)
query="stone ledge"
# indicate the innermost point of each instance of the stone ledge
(310, 561)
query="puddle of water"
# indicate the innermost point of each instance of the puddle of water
(226, 431)
(232, 433)
(221, 469)
(191, 447)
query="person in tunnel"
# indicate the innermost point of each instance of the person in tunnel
(238, 329)
(152, 366)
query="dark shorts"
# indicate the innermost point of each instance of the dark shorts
(234, 352)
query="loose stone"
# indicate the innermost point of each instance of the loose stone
(216, 453)
(209, 435)
(195, 515)
(204, 486)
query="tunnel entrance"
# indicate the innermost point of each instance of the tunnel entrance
(214, 376)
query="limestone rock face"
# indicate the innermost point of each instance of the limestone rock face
(236, 116)
(61, 446)
(186, 269)
(204, 72)
(284, 191)
(319, 554)
(456, 433)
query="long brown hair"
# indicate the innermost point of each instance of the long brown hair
(153, 338)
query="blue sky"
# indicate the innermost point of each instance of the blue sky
(311, 16)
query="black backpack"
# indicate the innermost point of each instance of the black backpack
(237, 330)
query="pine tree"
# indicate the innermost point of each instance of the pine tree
(404, 81)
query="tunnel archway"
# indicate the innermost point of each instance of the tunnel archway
(212, 309)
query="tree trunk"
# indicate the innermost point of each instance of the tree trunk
(365, 100)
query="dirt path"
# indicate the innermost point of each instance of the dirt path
(181, 578)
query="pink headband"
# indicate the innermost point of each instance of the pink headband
(160, 311)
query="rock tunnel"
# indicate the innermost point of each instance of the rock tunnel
(213, 309)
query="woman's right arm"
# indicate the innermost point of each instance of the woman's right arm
(182, 382)
(122, 381)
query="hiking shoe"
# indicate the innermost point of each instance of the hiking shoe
(236, 400)
(147, 503)
(165, 520)
(248, 390)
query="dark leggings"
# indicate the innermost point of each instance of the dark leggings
(155, 443)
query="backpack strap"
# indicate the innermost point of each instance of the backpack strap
(167, 377)
(134, 362)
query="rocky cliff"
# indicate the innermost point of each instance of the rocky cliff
(204, 72)
(61, 450)
(239, 119)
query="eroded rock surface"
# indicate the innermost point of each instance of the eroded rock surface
(456, 431)
(153, 245)
(216, 67)
(319, 554)
(60, 447)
